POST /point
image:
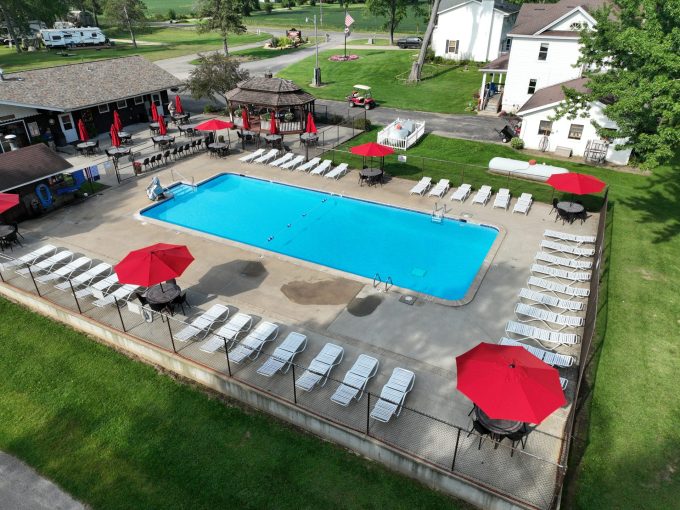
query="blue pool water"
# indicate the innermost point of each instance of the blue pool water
(364, 238)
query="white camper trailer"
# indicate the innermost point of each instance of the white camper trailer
(71, 37)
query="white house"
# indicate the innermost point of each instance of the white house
(473, 29)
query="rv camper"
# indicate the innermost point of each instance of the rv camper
(71, 37)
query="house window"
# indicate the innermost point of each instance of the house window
(543, 52)
(451, 46)
(532, 86)
(121, 104)
(139, 100)
(575, 27)
(103, 108)
(507, 44)
(545, 127)
(576, 131)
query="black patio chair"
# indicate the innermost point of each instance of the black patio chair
(193, 145)
(159, 158)
(174, 153)
(186, 148)
(519, 437)
(554, 206)
(166, 157)
(199, 144)
(180, 300)
(180, 151)
(479, 429)
(16, 229)
(146, 163)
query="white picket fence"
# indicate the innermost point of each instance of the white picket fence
(401, 143)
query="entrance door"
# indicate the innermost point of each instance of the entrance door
(156, 98)
(68, 127)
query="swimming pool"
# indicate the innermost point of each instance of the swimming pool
(355, 236)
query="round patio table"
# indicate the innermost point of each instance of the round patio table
(247, 133)
(309, 137)
(370, 174)
(180, 118)
(500, 427)
(6, 230)
(118, 151)
(570, 207)
(273, 138)
(124, 135)
(86, 145)
(163, 138)
(163, 294)
(153, 125)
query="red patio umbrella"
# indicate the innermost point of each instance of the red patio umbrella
(162, 128)
(115, 139)
(82, 131)
(244, 116)
(154, 112)
(578, 184)
(272, 125)
(311, 127)
(509, 383)
(7, 201)
(215, 125)
(372, 150)
(154, 264)
(116, 121)
(178, 105)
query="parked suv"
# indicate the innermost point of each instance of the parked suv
(410, 42)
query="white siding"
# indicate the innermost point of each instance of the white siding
(575, 17)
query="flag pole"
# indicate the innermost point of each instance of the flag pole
(346, 29)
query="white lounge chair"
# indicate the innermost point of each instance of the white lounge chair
(567, 248)
(560, 273)
(562, 236)
(320, 367)
(337, 172)
(547, 317)
(282, 357)
(549, 258)
(354, 383)
(46, 265)
(266, 158)
(549, 300)
(440, 189)
(421, 186)
(200, 326)
(523, 203)
(290, 165)
(120, 294)
(65, 272)
(551, 358)
(541, 335)
(461, 193)
(29, 258)
(248, 158)
(309, 165)
(554, 287)
(101, 286)
(502, 199)
(251, 346)
(393, 395)
(227, 333)
(483, 195)
(322, 168)
(283, 159)
(85, 278)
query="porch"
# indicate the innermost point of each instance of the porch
(493, 85)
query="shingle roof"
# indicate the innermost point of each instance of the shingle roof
(498, 4)
(500, 64)
(533, 17)
(553, 94)
(29, 164)
(275, 92)
(75, 86)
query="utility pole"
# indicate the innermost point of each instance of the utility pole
(321, 12)
(317, 69)
(346, 30)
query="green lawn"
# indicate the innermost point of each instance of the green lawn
(117, 434)
(449, 88)
(261, 53)
(176, 42)
(376, 42)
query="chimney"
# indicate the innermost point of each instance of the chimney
(268, 73)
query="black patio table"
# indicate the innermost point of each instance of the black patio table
(372, 175)
(86, 147)
(500, 428)
(6, 230)
(570, 210)
(125, 136)
(163, 294)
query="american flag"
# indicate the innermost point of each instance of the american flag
(348, 20)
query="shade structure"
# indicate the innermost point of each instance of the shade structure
(82, 131)
(116, 121)
(162, 128)
(154, 264)
(214, 125)
(246, 121)
(509, 383)
(311, 127)
(154, 112)
(372, 149)
(272, 125)
(578, 184)
(115, 139)
(7, 201)
(178, 105)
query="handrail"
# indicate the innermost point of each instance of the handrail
(378, 279)
(388, 283)
(183, 179)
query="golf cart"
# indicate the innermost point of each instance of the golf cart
(361, 96)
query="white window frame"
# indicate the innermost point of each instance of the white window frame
(580, 135)
(103, 108)
(139, 100)
(543, 51)
(542, 131)
(118, 104)
(535, 80)
(456, 48)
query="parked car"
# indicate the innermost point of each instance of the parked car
(410, 42)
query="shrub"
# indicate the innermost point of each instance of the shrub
(362, 123)
(211, 108)
(517, 143)
(172, 14)
(312, 2)
(268, 7)
(429, 55)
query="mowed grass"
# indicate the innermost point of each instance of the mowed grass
(449, 88)
(117, 435)
(175, 42)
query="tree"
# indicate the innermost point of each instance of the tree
(214, 74)
(221, 15)
(634, 70)
(417, 67)
(394, 12)
(17, 13)
(127, 13)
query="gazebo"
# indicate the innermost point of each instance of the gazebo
(266, 96)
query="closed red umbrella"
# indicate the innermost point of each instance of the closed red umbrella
(578, 184)
(116, 121)
(154, 112)
(178, 105)
(311, 127)
(272, 125)
(509, 383)
(7, 201)
(244, 116)
(162, 128)
(115, 139)
(82, 131)
(154, 264)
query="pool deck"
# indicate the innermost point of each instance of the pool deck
(425, 337)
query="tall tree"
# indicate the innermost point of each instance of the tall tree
(633, 62)
(394, 12)
(128, 13)
(17, 13)
(417, 67)
(223, 16)
(214, 74)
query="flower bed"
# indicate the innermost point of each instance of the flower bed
(343, 58)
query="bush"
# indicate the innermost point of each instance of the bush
(429, 55)
(172, 14)
(312, 2)
(517, 143)
(211, 108)
(362, 123)
(268, 7)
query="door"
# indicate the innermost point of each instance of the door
(68, 127)
(156, 98)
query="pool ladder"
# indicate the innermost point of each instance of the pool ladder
(438, 213)
(387, 284)
(183, 179)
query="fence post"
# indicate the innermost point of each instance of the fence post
(368, 412)
(294, 391)
(120, 315)
(2, 278)
(226, 354)
(171, 337)
(74, 297)
(455, 452)
(32, 278)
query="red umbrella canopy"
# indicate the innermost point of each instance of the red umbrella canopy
(372, 149)
(154, 264)
(272, 125)
(162, 128)
(7, 201)
(115, 139)
(579, 184)
(178, 105)
(311, 127)
(82, 131)
(214, 125)
(116, 121)
(246, 122)
(154, 112)
(509, 383)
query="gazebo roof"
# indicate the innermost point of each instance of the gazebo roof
(275, 92)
